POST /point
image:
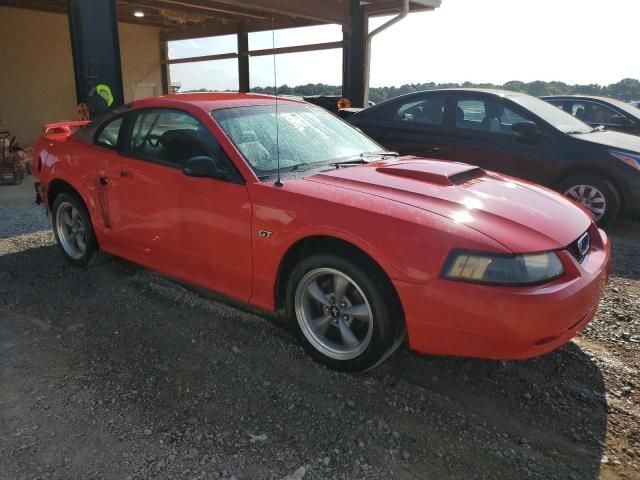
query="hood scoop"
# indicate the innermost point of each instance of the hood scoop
(434, 171)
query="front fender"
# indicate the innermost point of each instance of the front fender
(409, 244)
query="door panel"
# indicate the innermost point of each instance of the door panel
(414, 126)
(196, 229)
(484, 138)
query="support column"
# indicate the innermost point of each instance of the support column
(164, 67)
(354, 55)
(243, 60)
(93, 26)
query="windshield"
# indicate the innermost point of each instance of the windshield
(551, 114)
(307, 135)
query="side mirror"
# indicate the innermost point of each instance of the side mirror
(204, 167)
(526, 129)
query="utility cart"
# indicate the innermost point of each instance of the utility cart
(15, 161)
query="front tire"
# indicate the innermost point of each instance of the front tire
(345, 312)
(598, 195)
(73, 229)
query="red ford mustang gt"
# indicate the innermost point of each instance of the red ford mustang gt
(358, 245)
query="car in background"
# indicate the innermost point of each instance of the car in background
(328, 102)
(604, 112)
(332, 103)
(357, 246)
(515, 134)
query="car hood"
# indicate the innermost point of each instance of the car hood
(521, 216)
(614, 140)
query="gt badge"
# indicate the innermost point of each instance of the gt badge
(265, 233)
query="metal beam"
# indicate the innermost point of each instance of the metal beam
(326, 11)
(232, 28)
(353, 55)
(367, 55)
(295, 49)
(207, 9)
(243, 60)
(202, 58)
(164, 67)
(95, 47)
(42, 5)
(258, 53)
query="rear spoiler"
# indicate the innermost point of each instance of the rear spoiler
(64, 128)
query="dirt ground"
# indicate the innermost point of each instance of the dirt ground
(118, 373)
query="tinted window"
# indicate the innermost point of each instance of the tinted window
(557, 103)
(470, 114)
(170, 137)
(427, 112)
(108, 136)
(559, 119)
(590, 112)
(486, 114)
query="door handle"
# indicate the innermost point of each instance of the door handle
(104, 181)
(126, 174)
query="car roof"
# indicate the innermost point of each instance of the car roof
(489, 91)
(620, 104)
(581, 97)
(214, 100)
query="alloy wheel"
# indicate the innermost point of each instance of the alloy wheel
(589, 197)
(333, 313)
(71, 230)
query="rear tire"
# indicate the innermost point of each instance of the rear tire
(598, 195)
(73, 230)
(345, 312)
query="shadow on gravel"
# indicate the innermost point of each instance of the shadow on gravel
(625, 244)
(556, 403)
(205, 376)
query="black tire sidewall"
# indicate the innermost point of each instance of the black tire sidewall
(387, 321)
(605, 186)
(90, 240)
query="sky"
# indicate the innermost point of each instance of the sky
(492, 41)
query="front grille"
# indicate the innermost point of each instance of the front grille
(580, 248)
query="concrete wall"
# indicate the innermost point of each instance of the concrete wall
(36, 69)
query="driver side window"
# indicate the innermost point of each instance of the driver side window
(169, 137)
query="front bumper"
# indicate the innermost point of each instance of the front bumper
(456, 318)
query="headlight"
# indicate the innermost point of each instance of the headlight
(629, 159)
(500, 269)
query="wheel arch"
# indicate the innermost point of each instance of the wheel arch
(58, 186)
(590, 169)
(326, 244)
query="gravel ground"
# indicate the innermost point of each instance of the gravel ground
(117, 372)
(18, 214)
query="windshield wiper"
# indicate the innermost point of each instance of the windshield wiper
(363, 158)
(379, 154)
(355, 160)
(581, 132)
